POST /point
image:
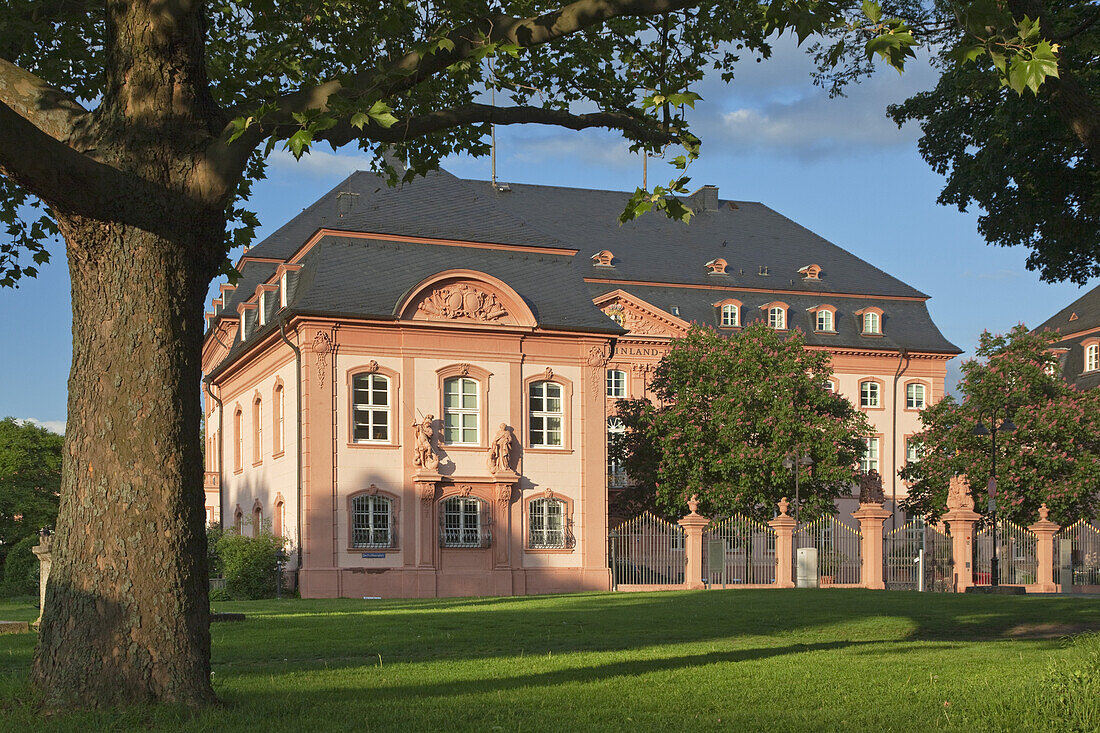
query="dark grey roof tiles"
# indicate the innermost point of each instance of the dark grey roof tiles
(1087, 308)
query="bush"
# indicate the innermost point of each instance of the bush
(214, 533)
(249, 564)
(21, 569)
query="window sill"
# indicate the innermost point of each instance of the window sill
(872, 335)
(872, 409)
(238, 471)
(386, 550)
(914, 409)
(463, 447)
(258, 463)
(548, 550)
(379, 444)
(547, 450)
(824, 333)
(280, 454)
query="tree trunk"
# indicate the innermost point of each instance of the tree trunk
(126, 619)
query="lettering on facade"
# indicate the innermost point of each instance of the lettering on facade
(638, 351)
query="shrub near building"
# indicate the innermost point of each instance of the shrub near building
(250, 564)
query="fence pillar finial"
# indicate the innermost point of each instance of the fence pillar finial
(784, 526)
(871, 517)
(1044, 531)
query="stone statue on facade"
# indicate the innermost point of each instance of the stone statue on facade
(500, 451)
(958, 494)
(424, 455)
(870, 488)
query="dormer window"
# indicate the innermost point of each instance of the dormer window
(810, 272)
(870, 320)
(729, 313)
(604, 258)
(263, 308)
(777, 315)
(282, 291)
(729, 316)
(717, 267)
(1092, 357)
(824, 318)
(675, 310)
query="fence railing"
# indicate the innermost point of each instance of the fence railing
(739, 550)
(1017, 564)
(914, 548)
(839, 556)
(646, 550)
(1084, 540)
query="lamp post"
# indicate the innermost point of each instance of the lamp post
(794, 461)
(1006, 426)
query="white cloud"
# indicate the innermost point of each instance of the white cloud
(54, 426)
(320, 163)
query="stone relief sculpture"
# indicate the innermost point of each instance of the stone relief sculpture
(462, 301)
(424, 455)
(958, 494)
(322, 346)
(870, 488)
(500, 451)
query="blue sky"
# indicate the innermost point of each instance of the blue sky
(837, 166)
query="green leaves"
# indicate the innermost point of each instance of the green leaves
(1030, 68)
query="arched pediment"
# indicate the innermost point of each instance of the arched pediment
(465, 296)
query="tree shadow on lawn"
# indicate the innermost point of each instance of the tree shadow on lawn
(348, 633)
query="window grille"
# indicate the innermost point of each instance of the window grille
(777, 318)
(730, 316)
(914, 396)
(546, 526)
(371, 521)
(547, 413)
(868, 394)
(824, 320)
(461, 416)
(869, 461)
(370, 408)
(616, 383)
(462, 523)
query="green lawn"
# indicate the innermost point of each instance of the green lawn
(747, 660)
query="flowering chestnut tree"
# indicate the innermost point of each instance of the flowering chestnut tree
(730, 410)
(1053, 456)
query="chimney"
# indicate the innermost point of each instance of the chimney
(705, 199)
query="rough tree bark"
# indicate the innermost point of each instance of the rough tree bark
(126, 617)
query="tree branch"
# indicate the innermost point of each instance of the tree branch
(47, 108)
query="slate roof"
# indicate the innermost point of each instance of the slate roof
(1087, 326)
(358, 277)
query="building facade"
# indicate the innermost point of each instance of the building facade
(415, 386)
(1078, 349)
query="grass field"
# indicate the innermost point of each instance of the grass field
(708, 660)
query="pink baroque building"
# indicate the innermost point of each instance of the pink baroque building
(415, 386)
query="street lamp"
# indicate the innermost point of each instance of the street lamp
(794, 461)
(1006, 426)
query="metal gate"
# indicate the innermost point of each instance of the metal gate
(839, 558)
(1017, 564)
(916, 547)
(646, 550)
(1084, 539)
(748, 549)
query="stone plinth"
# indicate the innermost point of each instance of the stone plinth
(694, 524)
(962, 521)
(784, 526)
(871, 518)
(1044, 531)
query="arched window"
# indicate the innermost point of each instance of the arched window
(257, 431)
(825, 320)
(777, 318)
(546, 414)
(278, 434)
(616, 383)
(257, 520)
(371, 521)
(238, 440)
(461, 414)
(278, 517)
(731, 316)
(1092, 357)
(914, 396)
(869, 394)
(616, 474)
(370, 408)
(238, 520)
(461, 523)
(546, 524)
(871, 323)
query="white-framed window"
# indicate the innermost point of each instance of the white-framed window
(546, 524)
(371, 521)
(282, 291)
(257, 430)
(1092, 357)
(869, 460)
(370, 408)
(616, 474)
(616, 383)
(461, 411)
(238, 440)
(547, 413)
(730, 315)
(871, 323)
(461, 522)
(869, 394)
(824, 320)
(777, 318)
(830, 386)
(279, 407)
(262, 309)
(914, 449)
(914, 396)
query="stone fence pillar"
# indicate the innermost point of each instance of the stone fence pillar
(694, 524)
(871, 518)
(784, 526)
(961, 519)
(44, 551)
(1044, 531)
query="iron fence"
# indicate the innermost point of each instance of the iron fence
(1084, 539)
(839, 558)
(915, 548)
(744, 554)
(647, 550)
(1015, 552)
